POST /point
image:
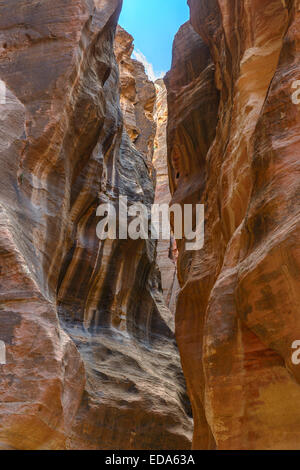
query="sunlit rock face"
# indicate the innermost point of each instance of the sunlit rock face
(137, 95)
(91, 359)
(233, 145)
(166, 249)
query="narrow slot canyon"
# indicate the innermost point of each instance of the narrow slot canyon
(141, 344)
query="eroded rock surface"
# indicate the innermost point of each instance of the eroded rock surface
(91, 360)
(233, 142)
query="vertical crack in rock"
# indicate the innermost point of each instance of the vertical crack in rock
(91, 358)
(233, 145)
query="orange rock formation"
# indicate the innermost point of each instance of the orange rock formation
(233, 143)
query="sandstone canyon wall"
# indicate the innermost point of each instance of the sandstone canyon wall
(233, 145)
(91, 361)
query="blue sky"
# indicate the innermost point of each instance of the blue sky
(153, 24)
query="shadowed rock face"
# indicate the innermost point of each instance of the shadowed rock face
(238, 309)
(91, 359)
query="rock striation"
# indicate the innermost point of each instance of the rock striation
(233, 145)
(91, 361)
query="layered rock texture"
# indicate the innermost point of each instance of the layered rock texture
(91, 361)
(233, 145)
